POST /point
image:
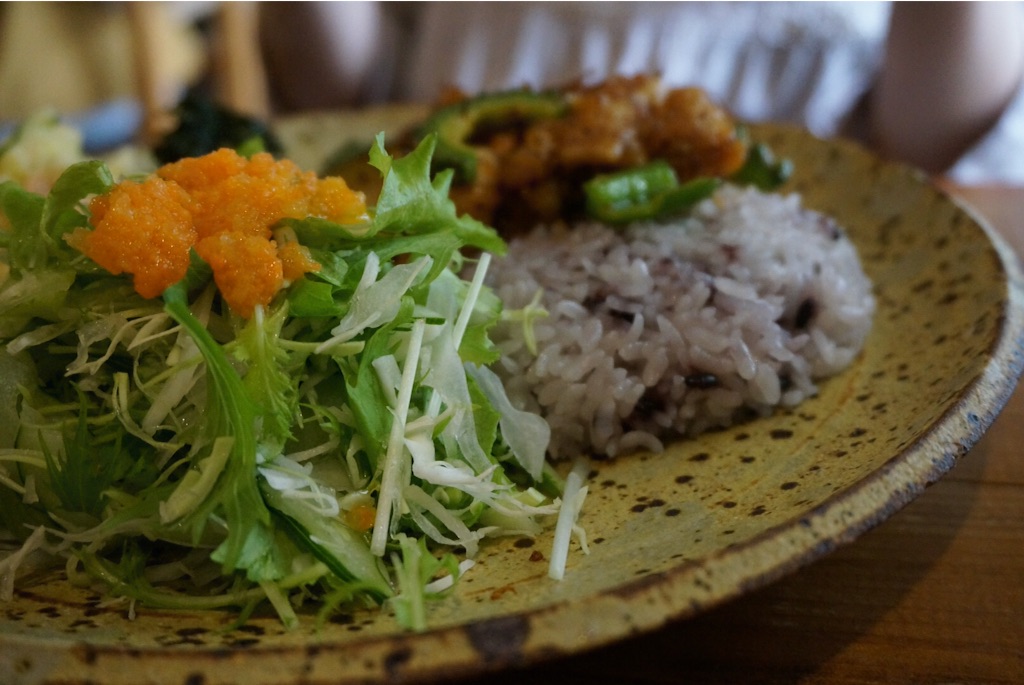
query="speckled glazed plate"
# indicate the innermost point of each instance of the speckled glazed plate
(671, 534)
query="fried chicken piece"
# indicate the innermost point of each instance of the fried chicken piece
(621, 123)
(602, 128)
(529, 171)
(693, 134)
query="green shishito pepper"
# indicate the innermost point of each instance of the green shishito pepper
(457, 124)
(651, 191)
(762, 169)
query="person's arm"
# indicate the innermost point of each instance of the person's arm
(950, 70)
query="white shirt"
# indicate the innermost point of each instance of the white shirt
(809, 63)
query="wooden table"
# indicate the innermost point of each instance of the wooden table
(933, 595)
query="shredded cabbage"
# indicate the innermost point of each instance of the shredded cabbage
(343, 443)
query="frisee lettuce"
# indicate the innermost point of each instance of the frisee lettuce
(342, 443)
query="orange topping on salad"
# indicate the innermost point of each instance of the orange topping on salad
(246, 268)
(224, 205)
(143, 228)
(295, 260)
(361, 517)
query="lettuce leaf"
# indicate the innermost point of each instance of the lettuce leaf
(337, 444)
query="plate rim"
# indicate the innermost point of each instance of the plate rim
(646, 604)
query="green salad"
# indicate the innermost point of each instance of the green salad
(346, 445)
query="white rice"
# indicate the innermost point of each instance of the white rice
(660, 331)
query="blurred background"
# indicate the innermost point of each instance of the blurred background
(118, 69)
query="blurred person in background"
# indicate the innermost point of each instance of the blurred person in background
(934, 84)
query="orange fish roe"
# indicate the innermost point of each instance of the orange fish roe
(147, 232)
(333, 198)
(361, 517)
(295, 260)
(246, 269)
(226, 206)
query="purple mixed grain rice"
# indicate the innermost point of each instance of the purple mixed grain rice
(659, 331)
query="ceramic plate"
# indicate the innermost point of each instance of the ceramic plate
(671, 534)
